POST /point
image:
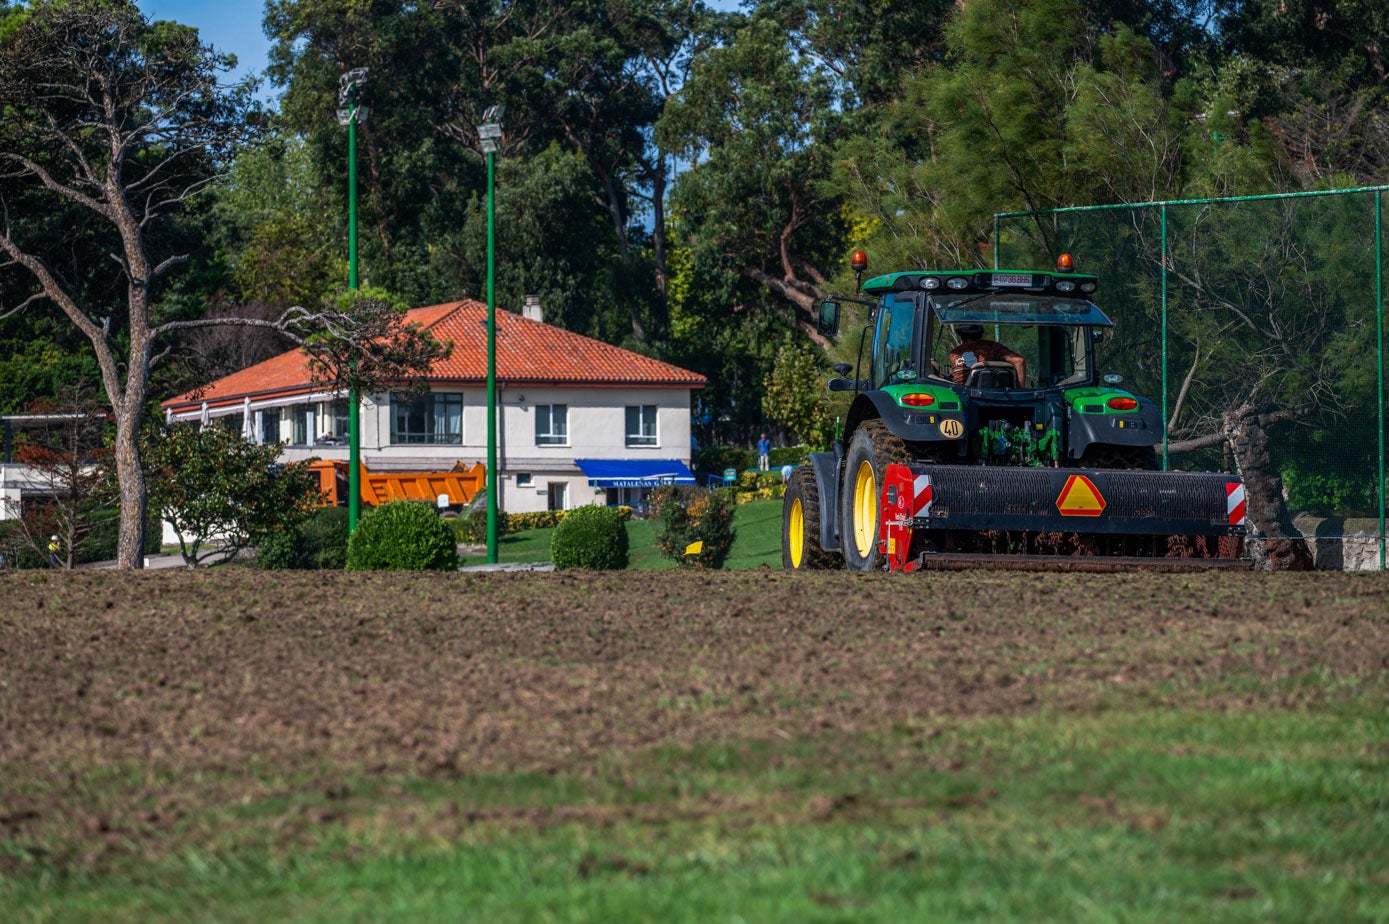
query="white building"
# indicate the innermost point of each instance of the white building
(579, 421)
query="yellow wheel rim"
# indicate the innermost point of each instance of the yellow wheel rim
(865, 525)
(795, 542)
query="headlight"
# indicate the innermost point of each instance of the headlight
(930, 282)
(957, 282)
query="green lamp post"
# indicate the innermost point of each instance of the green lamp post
(351, 114)
(489, 135)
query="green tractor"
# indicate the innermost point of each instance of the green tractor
(981, 431)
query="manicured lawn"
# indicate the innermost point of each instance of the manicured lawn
(757, 541)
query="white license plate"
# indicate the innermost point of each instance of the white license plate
(1012, 279)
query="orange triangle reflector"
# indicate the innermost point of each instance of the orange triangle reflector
(1080, 498)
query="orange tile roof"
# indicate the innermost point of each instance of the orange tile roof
(528, 352)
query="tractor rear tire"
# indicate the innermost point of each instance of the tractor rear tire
(800, 524)
(872, 448)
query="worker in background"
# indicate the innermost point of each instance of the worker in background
(764, 453)
(974, 349)
(54, 547)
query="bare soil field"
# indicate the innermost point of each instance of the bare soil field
(218, 684)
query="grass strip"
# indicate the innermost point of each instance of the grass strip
(1139, 815)
(757, 542)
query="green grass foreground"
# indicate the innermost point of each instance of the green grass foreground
(1133, 815)
(757, 541)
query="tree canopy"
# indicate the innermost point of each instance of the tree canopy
(675, 178)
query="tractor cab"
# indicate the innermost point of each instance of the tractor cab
(993, 368)
(989, 331)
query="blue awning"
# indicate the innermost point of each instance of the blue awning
(634, 473)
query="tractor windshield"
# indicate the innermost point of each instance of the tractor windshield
(1040, 355)
(1017, 308)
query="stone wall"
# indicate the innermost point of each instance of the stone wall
(1341, 543)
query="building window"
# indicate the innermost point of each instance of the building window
(432, 418)
(303, 424)
(523, 480)
(341, 420)
(551, 425)
(641, 425)
(270, 425)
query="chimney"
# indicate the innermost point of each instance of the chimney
(533, 310)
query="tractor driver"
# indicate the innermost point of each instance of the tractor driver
(975, 350)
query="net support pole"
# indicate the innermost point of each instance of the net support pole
(1379, 363)
(996, 221)
(1163, 213)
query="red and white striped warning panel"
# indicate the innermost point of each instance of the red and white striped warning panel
(1234, 502)
(922, 495)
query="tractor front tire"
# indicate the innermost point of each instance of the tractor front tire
(872, 448)
(800, 524)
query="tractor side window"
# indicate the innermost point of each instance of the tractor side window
(892, 342)
(1077, 371)
(1063, 355)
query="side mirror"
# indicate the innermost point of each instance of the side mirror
(1097, 335)
(840, 384)
(841, 368)
(828, 322)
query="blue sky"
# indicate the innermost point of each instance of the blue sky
(228, 25)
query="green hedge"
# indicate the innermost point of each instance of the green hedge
(471, 528)
(402, 536)
(590, 537)
(713, 460)
(320, 543)
(99, 544)
(540, 519)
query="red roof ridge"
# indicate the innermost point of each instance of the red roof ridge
(430, 316)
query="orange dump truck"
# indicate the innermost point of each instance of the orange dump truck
(458, 485)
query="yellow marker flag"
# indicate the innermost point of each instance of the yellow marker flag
(695, 548)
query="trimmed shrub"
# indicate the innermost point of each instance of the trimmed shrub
(470, 527)
(788, 455)
(16, 549)
(590, 537)
(540, 519)
(402, 536)
(325, 537)
(688, 515)
(320, 543)
(280, 551)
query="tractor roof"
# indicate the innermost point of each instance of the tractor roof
(971, 281)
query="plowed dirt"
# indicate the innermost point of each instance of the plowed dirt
(235, 675)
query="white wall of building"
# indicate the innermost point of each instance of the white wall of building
(531, 477)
